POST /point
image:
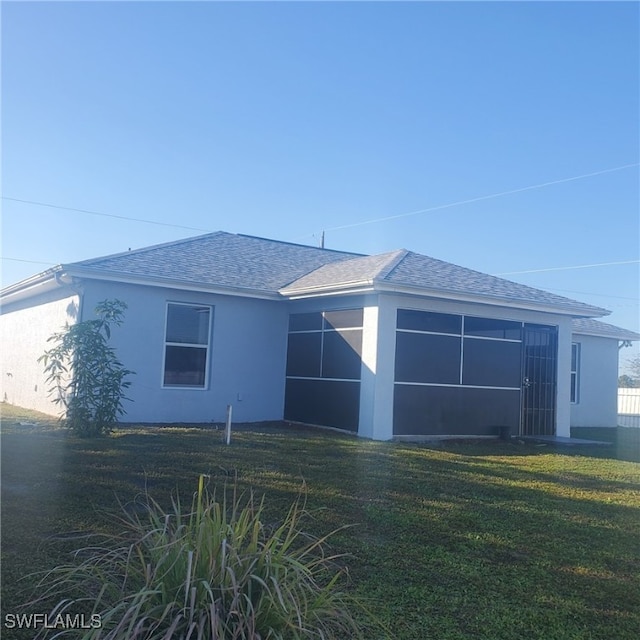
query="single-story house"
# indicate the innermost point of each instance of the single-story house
(396, 345)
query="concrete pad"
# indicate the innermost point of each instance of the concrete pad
(562, 440)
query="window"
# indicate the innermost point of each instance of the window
(427, 358)
(186, 352)
(492, 328)
(341, 354)
(412, 320)
(492, 363)
(575, 372)
(345, 319)
(325, 344)
(305, 322)
(304, 354)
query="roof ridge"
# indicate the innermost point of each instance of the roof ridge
(304, 246)
(396, 258)
(376, 267)
(349, 256)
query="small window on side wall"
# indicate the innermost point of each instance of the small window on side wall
(187, 343)
(575, 372)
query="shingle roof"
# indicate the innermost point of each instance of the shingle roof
(220, 259)
(420, 272)
(596, 328)
(355, 271)
(232, 261)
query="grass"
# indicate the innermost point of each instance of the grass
(464, 540)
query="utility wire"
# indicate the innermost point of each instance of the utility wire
(105, 215)
(30, 261)
(356, 224)
(480, 198)
(617, 305)
(589, 293)
(579, 266)
(346, 226)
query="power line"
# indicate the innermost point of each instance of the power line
(30, 261)
(589, 293)
(105, 215)
(346, 226)
(579, 266)
(480, 198)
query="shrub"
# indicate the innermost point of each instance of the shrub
(215, 572)
(88, 379)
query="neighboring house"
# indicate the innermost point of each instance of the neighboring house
(391, 345)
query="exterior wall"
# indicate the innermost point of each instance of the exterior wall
(24, 331)
(248, 351)
(247, 355)
(378, 362)
(597, 383)
(563, 418)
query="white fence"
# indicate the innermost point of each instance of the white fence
(629, 407)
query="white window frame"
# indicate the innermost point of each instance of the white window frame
(574, 383)
(206, 347)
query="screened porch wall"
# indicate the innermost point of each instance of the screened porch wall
(324, 362)
(456, 374)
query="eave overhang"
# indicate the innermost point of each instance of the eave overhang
(43, 282)
(170, 283)
(66, 275)
(377, 286)
(623, 336)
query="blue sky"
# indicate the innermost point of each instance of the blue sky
(284, 119)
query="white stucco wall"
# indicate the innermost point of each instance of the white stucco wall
(598, 383)
(247, 357)
(24, 331)
(563, 395)
(378, 366)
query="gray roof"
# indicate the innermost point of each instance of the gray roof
(425, 272)
(219, 259)
(362, 270)
(416, 271)
(591, 327)
(269, 268)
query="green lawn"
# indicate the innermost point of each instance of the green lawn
(489, 541)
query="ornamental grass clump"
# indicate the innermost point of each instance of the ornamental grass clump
(216, 572)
